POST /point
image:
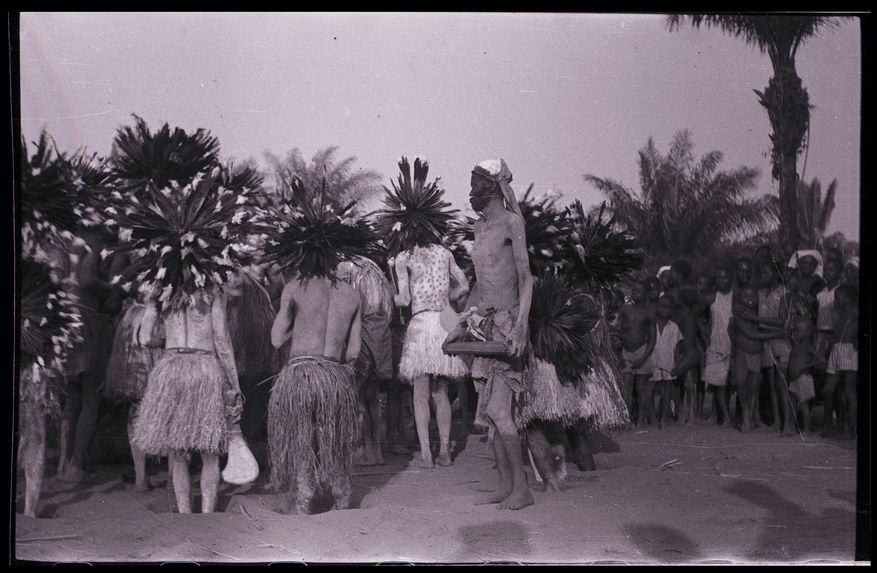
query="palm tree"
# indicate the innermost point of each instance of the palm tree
(814, 212)
(785, 98)
(343, 183)
(686, 208)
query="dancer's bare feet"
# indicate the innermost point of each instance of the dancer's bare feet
(444, 460)
(517, 500)
(494, 497)
(425, 463)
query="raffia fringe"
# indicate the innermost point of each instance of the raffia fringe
(182, 408)
(422, 353)
(594, 397)
(312, 421)
(129, 365)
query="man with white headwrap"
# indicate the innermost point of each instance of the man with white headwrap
(502, 295)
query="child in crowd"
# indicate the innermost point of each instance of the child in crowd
(843, 362)
(803, 357)
(667, 337)
(687, 363)
(637, 342)
(749, 345)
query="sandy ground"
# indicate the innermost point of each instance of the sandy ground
(678, 495)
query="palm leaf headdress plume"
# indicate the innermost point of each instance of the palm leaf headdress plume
(543, 226)
(180, 215)
(142, 158)
(561, 322)
(49, 326)
(58, 194)
(461, 237)
(594, 253)
(414, 212)
(303, 233)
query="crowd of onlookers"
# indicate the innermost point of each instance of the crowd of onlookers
(755, 343)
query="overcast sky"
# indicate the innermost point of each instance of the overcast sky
(555, 95)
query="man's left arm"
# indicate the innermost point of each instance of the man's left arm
(521, 332)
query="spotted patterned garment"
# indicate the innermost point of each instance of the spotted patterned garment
(428, 278)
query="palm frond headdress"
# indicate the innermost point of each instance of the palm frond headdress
(594, 253)
(543, 226)
(304, 234)
(49, 326)
(185, 221)
(60, 196)
(414, 212)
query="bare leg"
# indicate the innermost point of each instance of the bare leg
(644, 416)
(364, 455)
(209, 482)
(374, 421)
(85, 425)
(627, 389)
(72, 405)
(742, 376)
(422, 417)
(722, 400)
(828, 392)
(395, 422)
(850, 379)
(178, 462)
(499, 410)
(785, 396)
(542, 456)
(505, 485)
(341, 491)
(32, 453)
(439, 390)
(304, 491)
(139, 456)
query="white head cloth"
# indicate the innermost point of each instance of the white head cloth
(793, 262)
(496, 170)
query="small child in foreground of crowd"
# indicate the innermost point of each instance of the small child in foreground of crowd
(667, 337)
(802, 357)
(749, 344)
(843, 362)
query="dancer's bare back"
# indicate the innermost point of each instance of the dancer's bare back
(320, 318)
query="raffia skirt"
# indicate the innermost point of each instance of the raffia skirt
(422, 353)
(182, 408)
(129, 365)
(594, 397)
(312, 421)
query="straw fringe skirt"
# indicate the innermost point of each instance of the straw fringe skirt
(594, 397)
(129, 364)
(182, 408)
(422, 352)
(312, 421)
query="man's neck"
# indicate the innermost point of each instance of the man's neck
(493, 208)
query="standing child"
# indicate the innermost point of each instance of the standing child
(803, 356)
(748, 344)
(637, 342)
(687, 365)
(843, 362)
(667, 336)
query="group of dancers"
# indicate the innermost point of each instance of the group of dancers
(195, 247)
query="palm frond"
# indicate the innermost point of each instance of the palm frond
(543, 225)
(304, 234)
(594, 253)
(414, 212)
(561, 321)
(59, 195)
(188, 239)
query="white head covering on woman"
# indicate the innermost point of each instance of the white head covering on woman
(793, 262)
